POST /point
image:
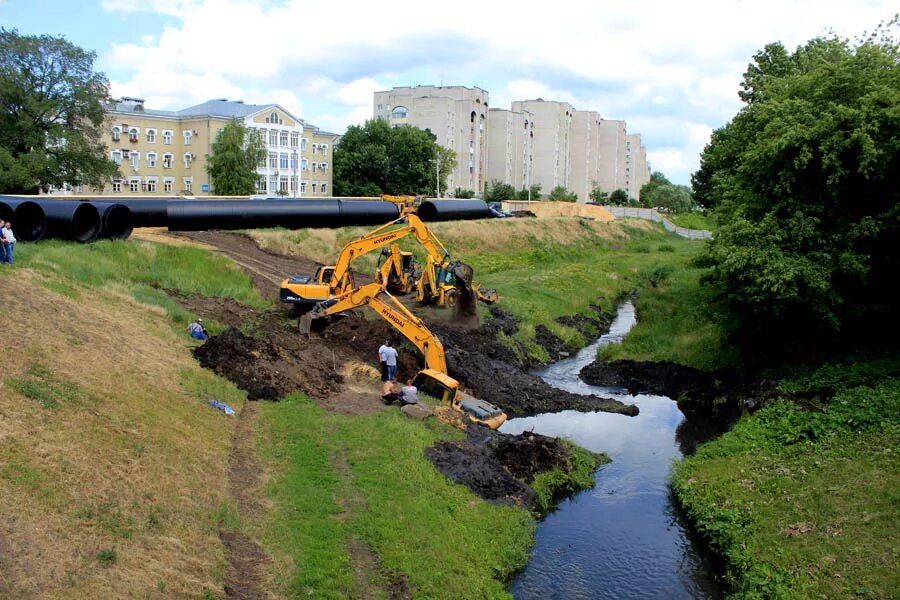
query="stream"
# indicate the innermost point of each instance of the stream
(622, 539)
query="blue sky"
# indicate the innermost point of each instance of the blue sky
(670, 69)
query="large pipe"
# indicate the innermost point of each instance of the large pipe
(28, 218)
(71, 220)
(366, 212)
(145, 212)
(200, 215)
(115, 219)
(453, 210)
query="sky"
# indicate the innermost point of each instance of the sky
(671, 70)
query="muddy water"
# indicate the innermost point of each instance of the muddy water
(623, 538)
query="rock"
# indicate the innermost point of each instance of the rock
(417, 411)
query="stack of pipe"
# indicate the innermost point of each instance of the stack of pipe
(87, 220)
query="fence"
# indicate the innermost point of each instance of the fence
(651, 214)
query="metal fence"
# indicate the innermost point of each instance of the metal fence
(652, 214)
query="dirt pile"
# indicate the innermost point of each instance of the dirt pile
(497, 466)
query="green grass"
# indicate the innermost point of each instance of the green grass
(338, 478)
(40, 384)
(693, 220)
(552, 485)
(804, 503)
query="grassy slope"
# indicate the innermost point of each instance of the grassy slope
(113, 469)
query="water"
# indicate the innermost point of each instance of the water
(621, 539)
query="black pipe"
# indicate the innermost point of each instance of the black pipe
(115, 219)
(6, 211)
(366, 212)
(71, 220)
(200, 215)
(145, 212)
(453, 210)
(28, 219)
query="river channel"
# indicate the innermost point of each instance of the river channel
(623, 538)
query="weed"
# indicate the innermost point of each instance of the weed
(107, 557)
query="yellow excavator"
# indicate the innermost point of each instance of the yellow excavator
(442, 281)
(433, 380)
(396, 270)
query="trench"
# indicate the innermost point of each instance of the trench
(624, 538)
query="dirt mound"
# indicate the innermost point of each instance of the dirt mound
(497, 466)
(554, 345)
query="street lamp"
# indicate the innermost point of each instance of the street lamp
(437, 164)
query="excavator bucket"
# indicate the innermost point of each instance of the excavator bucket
(305, 323)
(464, 273)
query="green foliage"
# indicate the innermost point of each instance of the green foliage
(552, 485)
(803, 502)
(51, 115)
(807, 190)
(41, 384)
(499, 192)
(561, 194)
(659, 192)
(461, 193)
(376, 159)
(530, 193)
(236, 154)
(599, 196)
(618, 197)
(693, 220)
(107, 557)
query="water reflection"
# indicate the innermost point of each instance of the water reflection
(623, 538)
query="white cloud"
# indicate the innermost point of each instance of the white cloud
(666, 68)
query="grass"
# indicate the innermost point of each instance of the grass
(803, 503)
(339, 481)
(693, 220)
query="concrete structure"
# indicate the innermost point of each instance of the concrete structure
(637, 170)
(456, 115)
(552, 130)
(584, 151)
(510, 150)
(316, 162)
(611, 163)
(164, 152)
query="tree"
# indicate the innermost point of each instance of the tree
(376, 159)
(561, 194)
(619, 198)
(599, 196)
(236, 153)
(532, 193)
(806, 183)
(461, 193)
(498, 192)
(51, 115)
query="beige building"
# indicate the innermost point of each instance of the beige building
(164, 152)
(316, 165)
(552, 130)
(584, 150)
(510, 150)
(611, 162)
(456, 115)
(637, 169)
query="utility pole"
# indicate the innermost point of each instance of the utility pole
(437, 163)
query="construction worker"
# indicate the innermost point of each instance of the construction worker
(198, 331)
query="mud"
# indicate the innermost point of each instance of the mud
(499, 467)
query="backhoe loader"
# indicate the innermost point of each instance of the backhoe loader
(396, 270)
(433, 380)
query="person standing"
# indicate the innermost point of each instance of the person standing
(9, 242)
(384, 376)
(390, 358)
(2, 242)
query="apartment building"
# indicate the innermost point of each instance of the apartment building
(611, 161)
(637, 170)
(552, 139)
(164, 153)
(510, 149)
(584, 154)
(456, 115)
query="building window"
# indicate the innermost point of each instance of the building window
(293, 184)
(274, 118)
(167, 136)
(117, 184)
(303, 144)
(324, 187)
(284, 137)
(168, 184)
(283, 162)
(151, 136)
(187, 138)
(151, 185)
(315, 166)
(315, 148)
(116, 134)
(283, 184)
(167, 160)
(134, 184)
(261, 133)
(133, 135)
(135, 157)
(189, 185)
(302, 187)
(273, 160)
(324, 167)
(295, 138)
(262, 162)
(188, 160)
(303, 164)
(314, 188)
(399, 112)
(151, 159)
(116, 156)
(273, 137)
(294, 161)
(261, 184)
(273, 184)
(324, 148)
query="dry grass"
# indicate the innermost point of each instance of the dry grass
(125, 461)
(160, 235)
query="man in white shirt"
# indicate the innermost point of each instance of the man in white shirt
(390, 359)
(384, 376)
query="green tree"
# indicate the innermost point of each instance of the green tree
(534, 193)
(51, 115)
(806, 181)
(599, 196)
(498, 192)
(619, 198)
(646, 196)
(376, 159)
(236, 154)
(561, 194)
(461, 193)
